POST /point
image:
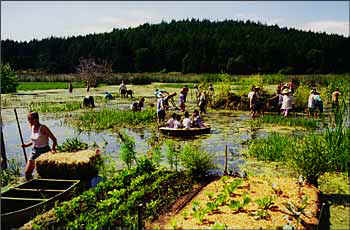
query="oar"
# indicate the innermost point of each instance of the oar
(20, 134)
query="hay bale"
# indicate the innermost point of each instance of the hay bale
(65, 165)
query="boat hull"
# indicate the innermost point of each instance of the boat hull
(23, 202)
(184, 132)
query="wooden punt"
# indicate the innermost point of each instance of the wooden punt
(184, 132)
(23, 202)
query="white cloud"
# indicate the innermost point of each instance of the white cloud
(330, 27)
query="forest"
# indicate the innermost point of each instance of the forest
(188, 46)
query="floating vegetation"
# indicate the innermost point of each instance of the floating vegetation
(109, 118)
(47, 107)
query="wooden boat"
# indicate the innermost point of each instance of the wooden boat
(23, 202)
(184, 132)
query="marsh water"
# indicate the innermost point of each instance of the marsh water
(228, 129)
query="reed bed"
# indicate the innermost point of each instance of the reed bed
(290, 121)
(108, 118)
(49, 107)
(67, 165)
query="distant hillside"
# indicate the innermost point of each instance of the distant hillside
(189, 46)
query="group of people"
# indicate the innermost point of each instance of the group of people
(194, 122)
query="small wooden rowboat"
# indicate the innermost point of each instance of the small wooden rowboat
(184, 132)
(23, 202)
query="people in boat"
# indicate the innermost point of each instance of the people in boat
(287, 103)
(335, 99)
(186, 123)
(171, 122)
(40, 140)
(122, 89)
(202, 103)
(160, 109)
(177, 122)
(197, 121)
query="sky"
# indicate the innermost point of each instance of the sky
(24, 21)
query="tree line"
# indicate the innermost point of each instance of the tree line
(188, 46)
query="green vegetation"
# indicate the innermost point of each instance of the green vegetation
(8, 79)
(11, 174)
(109, 118)
(290, 121)
(28, 86)
(72, 145)
(115, 203)
(46, 107)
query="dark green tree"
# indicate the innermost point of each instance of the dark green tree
(8, 79)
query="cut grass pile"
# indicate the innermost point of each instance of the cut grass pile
(258, 213)
(109, 118)
(67, 165)
(26, 86)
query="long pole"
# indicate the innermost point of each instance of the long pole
(20, 134)
(2, 148)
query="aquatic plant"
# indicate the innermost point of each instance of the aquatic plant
(109, 118)
(197, 162)
(290, 121)
(11, 174)
(52, 107)
(127, 150)
(72, 145)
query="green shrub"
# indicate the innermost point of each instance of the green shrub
(195, 161)
(127, 150)
(11, 174)
(8, 80)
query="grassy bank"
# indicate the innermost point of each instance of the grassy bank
(27, 86)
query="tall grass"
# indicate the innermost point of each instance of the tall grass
(290, 121)
(27, 86)
(178, 85)
(275, 147)
(109, 118)
(45, 107)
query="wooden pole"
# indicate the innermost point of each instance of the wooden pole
(2, 148)
(225, 172)
(20, 134)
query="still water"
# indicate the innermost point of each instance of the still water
(225, 132)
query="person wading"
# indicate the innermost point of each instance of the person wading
(40, 141)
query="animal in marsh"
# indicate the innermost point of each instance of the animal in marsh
(129, 92)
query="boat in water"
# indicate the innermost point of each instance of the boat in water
(181, 132)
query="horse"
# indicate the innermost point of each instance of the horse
(88, 101)
(129, 92)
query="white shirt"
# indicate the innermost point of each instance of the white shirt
(186, 123)
(311, 101)
(287, 102)
(250, 94)
(177, 124)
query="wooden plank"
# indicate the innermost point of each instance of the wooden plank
(39, 190)
(23, 199)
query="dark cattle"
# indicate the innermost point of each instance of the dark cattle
(129, 92)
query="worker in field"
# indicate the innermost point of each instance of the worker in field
(40, 140)
(335, 99)
(70, 87)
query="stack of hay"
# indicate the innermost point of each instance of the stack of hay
(77, 165)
